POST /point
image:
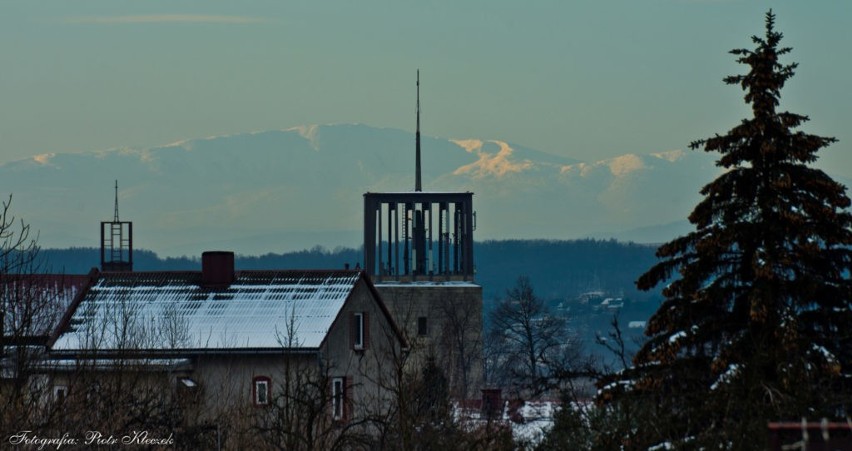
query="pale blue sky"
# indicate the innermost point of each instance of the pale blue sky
(588, 79)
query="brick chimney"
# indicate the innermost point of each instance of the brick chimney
(217, 269)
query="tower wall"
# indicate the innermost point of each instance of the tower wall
(453, 329)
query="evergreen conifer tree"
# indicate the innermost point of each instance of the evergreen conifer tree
(756, 325)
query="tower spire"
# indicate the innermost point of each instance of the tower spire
(116, 201)
(116, 242)
(417, 185)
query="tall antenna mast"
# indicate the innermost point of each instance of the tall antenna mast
(116, 242)
(417, 186)
(116, 201)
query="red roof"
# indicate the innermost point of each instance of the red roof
(35, 302)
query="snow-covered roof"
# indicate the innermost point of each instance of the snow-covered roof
(113, 364)
(427, 284)
(172, 311)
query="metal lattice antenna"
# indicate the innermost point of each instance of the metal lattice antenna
(417, 185)
(116, 201)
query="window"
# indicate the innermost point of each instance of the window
(422, 326)
(187, 389)
(360, 330)
(338, 398)
(260, 390)
(59, 393)
(93, 393)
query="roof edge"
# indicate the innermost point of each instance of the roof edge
(94, 274)
(174, 353)
(362, 275)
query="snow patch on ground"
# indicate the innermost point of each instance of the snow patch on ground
(529, 421)
(537, 420)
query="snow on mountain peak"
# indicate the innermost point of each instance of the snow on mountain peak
(671, 156)
(470, 145)
(43, 158)
(625, 164)
(498, 164)
(618, 166)
(309, 132)
(583, 168)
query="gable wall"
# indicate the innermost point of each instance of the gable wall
(369, 372)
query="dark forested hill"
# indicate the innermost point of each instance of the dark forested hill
(563, 269)
(558, 269)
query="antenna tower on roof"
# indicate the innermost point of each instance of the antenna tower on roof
(417, 185)
(116, 201)
(116, 242)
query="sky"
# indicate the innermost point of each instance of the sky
(588, 79)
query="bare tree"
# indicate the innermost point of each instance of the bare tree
(29, 307)
(112, 386)
(581, 424)
(531, 351)
(422, 413)
(300, 413)
(461, 343)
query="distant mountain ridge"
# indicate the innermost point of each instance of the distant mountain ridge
(280, 190)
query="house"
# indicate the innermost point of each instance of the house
(226, 341)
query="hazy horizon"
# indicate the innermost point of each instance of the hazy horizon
(293, 189)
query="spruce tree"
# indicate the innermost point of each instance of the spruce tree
(755, 327)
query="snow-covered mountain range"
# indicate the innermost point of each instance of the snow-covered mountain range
(291, 189)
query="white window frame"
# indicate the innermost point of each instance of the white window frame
(261, 390)
(338, 398)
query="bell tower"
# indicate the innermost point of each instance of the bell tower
(419, 235)
(418, 250)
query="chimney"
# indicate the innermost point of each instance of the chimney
(217, 269)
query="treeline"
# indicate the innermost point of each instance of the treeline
(560, 270)
(563, 269)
